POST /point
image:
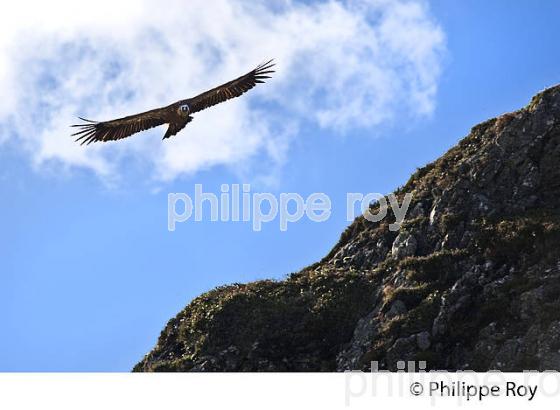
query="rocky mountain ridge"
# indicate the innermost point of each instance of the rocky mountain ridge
(470, 281)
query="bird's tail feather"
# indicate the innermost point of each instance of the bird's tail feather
(174, 128)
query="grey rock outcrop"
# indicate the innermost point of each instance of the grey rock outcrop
(471, 280)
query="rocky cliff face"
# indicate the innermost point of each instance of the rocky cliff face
(470, 281)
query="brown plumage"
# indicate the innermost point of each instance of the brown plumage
(177, 115)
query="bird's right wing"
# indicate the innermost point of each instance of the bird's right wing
(231, 89)
(93, 131)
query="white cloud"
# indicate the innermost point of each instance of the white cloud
(341, 65)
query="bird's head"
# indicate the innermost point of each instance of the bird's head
(184, 110)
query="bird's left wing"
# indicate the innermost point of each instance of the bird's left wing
(231, 89)
(120, 128)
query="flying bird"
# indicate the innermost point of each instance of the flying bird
(177, 115)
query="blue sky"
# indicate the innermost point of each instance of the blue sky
(89, 273)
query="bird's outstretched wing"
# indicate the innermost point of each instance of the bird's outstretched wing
(231, 89)
(93, 131)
